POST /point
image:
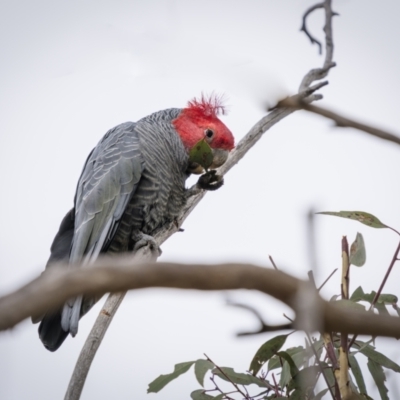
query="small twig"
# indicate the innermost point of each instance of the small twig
(226, 376)
(218, 389)
(321, 369)
(263, 326)
(304, 25)
(276, 386)
(378, 293)
(272, 262)
(321, 73)
(326, 280)
(312, 257)
(341, 121)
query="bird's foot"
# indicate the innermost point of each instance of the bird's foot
(210, 180)
(145, 245)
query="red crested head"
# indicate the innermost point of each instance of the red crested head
(199, 120)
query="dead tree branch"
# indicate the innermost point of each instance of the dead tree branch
(115, 275)
(339, 119)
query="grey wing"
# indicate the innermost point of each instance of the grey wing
(108, 181)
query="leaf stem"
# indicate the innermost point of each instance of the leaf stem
(226, 376)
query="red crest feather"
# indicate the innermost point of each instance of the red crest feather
(212, 105)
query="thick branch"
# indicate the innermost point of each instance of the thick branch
(118, 274)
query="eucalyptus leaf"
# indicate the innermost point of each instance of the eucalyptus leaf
(358, 294)
(356, 371)
(320, 394)
(381, 308)
(286, 376)
(358, 254)
(163, 380)
(397, 309)
(295, 352)
(361, 216)
(305, 378)
(229, 375)
(289, 369)
(200, 369)
(200, 395)
(388, 298)
(350, 305)
(379, 377)
(266, 351)
(380, 358)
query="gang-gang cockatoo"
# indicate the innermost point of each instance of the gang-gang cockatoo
(132, 184)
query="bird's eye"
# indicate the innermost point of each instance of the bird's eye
(209, 133)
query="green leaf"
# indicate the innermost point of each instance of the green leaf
(379, 358)
(295, 352)
(229, 375)
(200, 395)
(379, 377)
(358, 255)
(298, 394)
(201, 153)
(349, 305)
(358, 294)
(266, 351)
(363, 217)
(286, 377)
(293, 369)
(397, 309)
(328, 373)
(289, 369)
(200, 369)
(320, 394)
(306, 378)
(388, 298)
(163, 380)
(355, 369)
(381, 308)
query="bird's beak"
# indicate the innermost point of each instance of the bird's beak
(219, 157)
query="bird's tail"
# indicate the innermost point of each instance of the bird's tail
(50, 331)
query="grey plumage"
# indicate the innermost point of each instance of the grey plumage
(133, 183)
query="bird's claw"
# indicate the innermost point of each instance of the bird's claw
(143, 240)
(210, 180)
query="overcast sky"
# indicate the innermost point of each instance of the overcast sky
(73, 69)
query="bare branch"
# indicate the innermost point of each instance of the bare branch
(305, 29)
(263, 326)
(99, 329)
(320, 73)
(339, 119)
(118, 274)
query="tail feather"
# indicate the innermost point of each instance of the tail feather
(71, 314)
(50, 331)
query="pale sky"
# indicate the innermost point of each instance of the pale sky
(72, 70)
